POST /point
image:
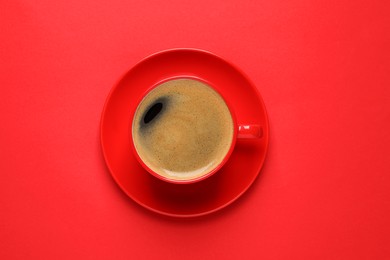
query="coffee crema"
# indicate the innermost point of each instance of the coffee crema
(182, 129)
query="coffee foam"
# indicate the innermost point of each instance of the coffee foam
(191, 133)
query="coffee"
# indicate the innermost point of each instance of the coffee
(182, 129)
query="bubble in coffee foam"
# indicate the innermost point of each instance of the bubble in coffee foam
(182, 129)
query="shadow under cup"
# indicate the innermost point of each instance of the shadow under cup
(183, 130)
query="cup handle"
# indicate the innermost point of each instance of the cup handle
(249, 131)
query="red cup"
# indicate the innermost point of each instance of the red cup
(240, 131)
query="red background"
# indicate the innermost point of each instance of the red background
(323, 68)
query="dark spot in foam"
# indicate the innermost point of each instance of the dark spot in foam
(152, 113)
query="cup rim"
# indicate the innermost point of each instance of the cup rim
(212, 171)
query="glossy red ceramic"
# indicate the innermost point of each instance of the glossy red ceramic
(240, 131)
(199, 198)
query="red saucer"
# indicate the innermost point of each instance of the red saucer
(187, 200)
